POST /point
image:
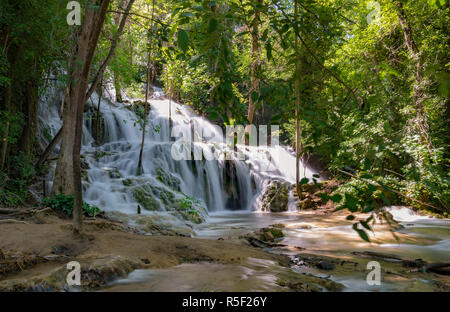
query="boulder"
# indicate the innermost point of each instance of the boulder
(306, 203)
(276, 196)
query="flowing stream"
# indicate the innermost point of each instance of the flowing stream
(223, 193)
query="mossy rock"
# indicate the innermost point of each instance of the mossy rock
(269, 234)
(277, 233)
(145, 198)
(276, 196)
(307, 203)
(114, 174)
(168, 179)
(127, 182)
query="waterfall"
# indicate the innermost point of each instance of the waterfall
(109, 169)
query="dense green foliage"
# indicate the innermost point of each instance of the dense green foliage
(374, 90)
(64, 204)
(359, 108)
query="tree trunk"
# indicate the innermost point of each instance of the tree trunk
(4, 149)
(68, 172)
(114, 43)
(100, 91)
(30, 112)
(144, 123)
(254, 79)
(170, 110)
(49, 149)
(297, 109)
(147, 90)
(420, 120)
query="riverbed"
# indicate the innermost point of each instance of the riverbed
(328, 235)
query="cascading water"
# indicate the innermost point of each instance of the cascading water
(211, 184)
(110, 182)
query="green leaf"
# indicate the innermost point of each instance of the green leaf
(361, 233)
(255, 96)
(336, 198)
(351, 202)
(183, 40)
(303, 181)
(212, 25)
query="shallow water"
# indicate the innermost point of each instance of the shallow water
(424, 238)
(255, 275)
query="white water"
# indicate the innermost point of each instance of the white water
(204, 180)
(117, 157)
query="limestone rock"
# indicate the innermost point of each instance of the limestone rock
(276, 196)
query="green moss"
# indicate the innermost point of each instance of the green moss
(168, 179)
(115, 174)
(276, 197)
(145, 199)
(127, 182)
(277, 233)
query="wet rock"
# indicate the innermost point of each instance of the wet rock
(438, 268)
(276, 196)
(168, 179)
(377, 255)
(145, 198)
(265, 237)
(306, 203)
(325, 265)
(307, 283)
(114, 173)
(158, 198)
(268, 236)
(153, 224)
(311, 188)
(127, 182)
(321, 262)
(417, 263)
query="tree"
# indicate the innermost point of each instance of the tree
(147, 90)
(101, 70)
(297, 106)
(255, 67)
(68, 172)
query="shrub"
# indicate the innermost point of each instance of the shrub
(64, 203)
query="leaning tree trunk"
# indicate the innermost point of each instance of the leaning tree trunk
(144, 123)
(146, 104)
(99, 75)
(68, 172)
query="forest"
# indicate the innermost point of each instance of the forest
(91, 92)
